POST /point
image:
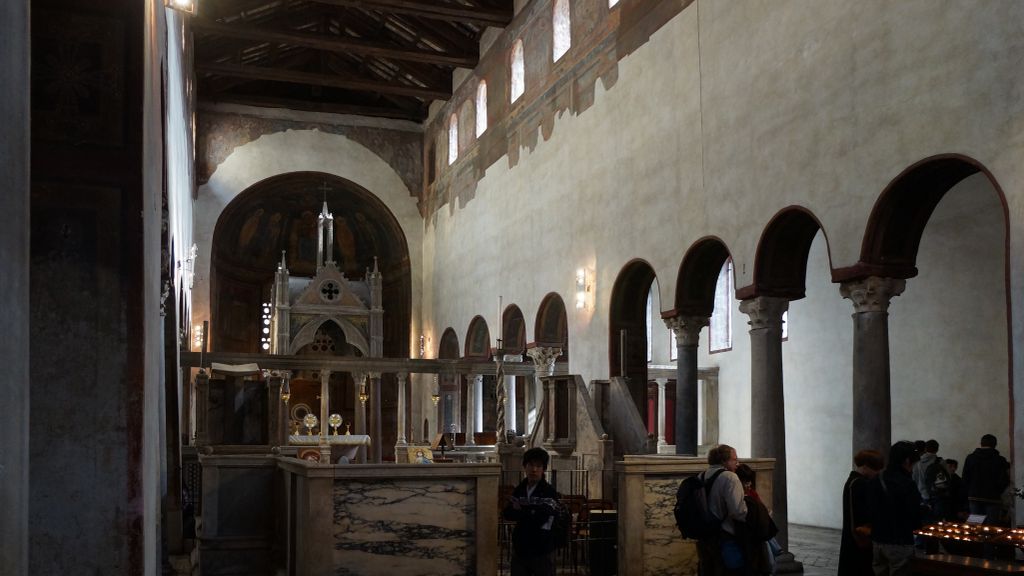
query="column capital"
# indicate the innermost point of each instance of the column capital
(544, 359)
(872, 294)
(764, 311)
(687, 328)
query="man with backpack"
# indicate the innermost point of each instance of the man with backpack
(708, 508)
(933, 482)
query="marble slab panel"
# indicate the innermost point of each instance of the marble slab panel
(665, 551)
(404, 527)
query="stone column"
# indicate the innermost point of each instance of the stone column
(872, 409)
(661, 382)
(510, 394)
(202, 408)
(277, 433)
(687, 331)
(14, 285)
(325, 411)
(477, 382)
(402, 440)
(376, 450)
(470, 409)
(358, 380)
(544, 365)
(767, 405)
(652, 407)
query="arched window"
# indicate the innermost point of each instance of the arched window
(453, 138)
(518, 84)
(481, 108)
(562, 30)
(721, 318)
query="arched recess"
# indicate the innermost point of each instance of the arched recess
(698, 275)
(551, 327)
(780, 266)
(478, 339)
(629, 313)
(279, 214)
(306, 334)
(513, 330)
(448, 384)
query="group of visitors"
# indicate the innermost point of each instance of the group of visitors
(883, 503)
(743, 543)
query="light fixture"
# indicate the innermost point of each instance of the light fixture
(187, 6)
(435, 397)
(286, 390)
(197, 336)
(363, 395)
(584, 286)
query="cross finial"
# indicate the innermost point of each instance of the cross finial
(324, 188)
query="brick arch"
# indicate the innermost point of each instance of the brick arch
(448, 348)
(552, 325)
(698, 276)
(780, 265)
(513, 329)
(629, 312)
(478, 339)
(894, 230)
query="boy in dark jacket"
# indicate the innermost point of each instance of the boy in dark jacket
(533, 506)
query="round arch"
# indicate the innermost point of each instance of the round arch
(448, 347)
(698, 276)
(550, 329)
(629, 313)
(513, 329)
(780, 264)
(478, 339)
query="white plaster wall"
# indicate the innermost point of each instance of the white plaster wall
(733, 111)
(296, 151)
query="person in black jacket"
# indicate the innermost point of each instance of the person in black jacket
(895, 504)
(855, 545)
(987, 474)
(533, 506)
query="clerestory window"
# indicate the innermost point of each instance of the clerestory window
(518, 70)
(453, 138)
(721, 318)
(481, 108)
(562, 30)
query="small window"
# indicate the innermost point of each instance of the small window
(453, 138)
(673, 352)
(650, 302)
(562, 30)
(612, 3)
(481, 108)
(785, 325)
(518, 84)
(721, 318)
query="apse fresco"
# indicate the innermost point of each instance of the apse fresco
(280, 214)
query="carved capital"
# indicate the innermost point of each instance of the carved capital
(544, 359)
(873, 293)
(687, 328)
(765, 312)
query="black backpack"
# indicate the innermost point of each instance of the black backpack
(936, 478)
(692, 511)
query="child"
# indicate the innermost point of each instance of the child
(533, 507)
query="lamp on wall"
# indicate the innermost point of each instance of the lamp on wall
(197, 336)
(584, 287)
(363, 395)
(187, 6)
(435, 397)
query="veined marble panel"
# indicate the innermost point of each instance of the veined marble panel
(404, 527)
(665, 551)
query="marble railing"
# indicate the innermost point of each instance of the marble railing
(396, 520)
(649, 542)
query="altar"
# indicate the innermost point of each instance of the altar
(347, 444)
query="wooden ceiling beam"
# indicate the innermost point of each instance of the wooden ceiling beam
(432, 9)
(280, 75)
(314, 106)
(333, 44)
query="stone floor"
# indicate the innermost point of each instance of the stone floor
(817, 548)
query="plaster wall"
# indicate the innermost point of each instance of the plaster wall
(733, 111)
(295, 151)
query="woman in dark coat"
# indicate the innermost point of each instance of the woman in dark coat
(855, 549)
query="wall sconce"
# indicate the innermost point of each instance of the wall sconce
(435, 397)
(187, 6)
(584, 288)
(197, 336)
